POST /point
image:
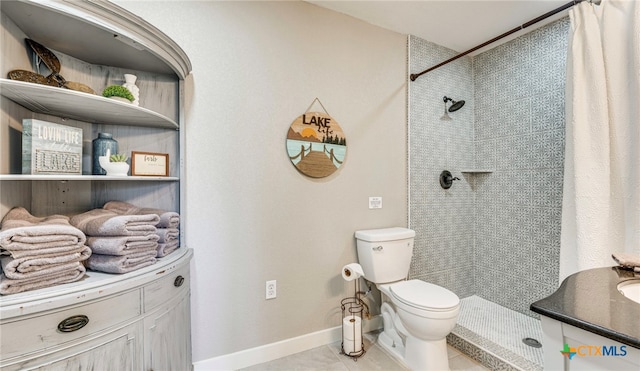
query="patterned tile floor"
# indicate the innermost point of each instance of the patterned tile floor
(328, 357)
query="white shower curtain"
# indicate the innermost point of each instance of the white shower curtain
(601, 196)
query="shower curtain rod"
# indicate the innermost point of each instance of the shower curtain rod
(568, 5)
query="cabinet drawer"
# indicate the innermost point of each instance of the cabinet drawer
(164, 289)
(53, 328)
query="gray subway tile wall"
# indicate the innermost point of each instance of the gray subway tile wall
(496, 235)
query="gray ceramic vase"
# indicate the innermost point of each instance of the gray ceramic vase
(103, 142)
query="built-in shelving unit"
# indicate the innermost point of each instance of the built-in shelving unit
(97, 42)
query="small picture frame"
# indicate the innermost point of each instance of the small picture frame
(149, 164)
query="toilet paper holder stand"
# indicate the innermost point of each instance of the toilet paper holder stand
(354, 311)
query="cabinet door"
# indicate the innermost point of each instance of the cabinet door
(168, 337)
(117, 350)
(39, 332)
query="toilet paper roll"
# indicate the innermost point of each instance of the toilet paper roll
(351, 334)
(352, 271)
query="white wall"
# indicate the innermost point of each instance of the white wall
(251, 216)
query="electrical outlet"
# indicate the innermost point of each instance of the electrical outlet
(271, 289)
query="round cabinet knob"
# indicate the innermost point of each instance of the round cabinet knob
(73, 323)
(178, 281)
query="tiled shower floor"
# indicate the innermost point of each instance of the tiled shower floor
(499, 331)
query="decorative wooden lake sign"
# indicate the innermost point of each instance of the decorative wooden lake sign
(316, 144)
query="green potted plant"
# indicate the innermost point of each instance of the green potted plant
(118, 157)
(118, 165)
(118, 92)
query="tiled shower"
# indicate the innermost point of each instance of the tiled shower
(493, 234)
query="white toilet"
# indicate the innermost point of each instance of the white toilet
(417, 315)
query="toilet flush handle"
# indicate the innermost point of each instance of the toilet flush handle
(377, 248)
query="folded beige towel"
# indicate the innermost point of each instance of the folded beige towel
(23, 234)
(20, 217)
(627, 260)
(167, 234)
(45, 272)
(9, 286)
(123, 263)
(122, 245)
(168, 219)
(167, 248)
(25, 250)
(103, 223)
(31, 267)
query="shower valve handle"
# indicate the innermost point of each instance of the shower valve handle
(446, 179)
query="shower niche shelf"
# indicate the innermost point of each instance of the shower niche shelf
(477, 171)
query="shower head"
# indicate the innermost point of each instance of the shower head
(455, 105)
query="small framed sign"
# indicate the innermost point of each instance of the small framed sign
(149, 164)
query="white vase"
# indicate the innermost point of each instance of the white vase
(113, 168)
(118, 169)
(130, 83)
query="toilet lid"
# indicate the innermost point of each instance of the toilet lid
(426, 295)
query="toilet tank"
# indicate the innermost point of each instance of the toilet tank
(385, 254)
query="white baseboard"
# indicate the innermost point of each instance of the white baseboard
(283, 348)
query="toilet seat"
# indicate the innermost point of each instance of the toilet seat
(423, 295)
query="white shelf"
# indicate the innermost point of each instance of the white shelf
(477, 171)
(63, 177)
(81, 106)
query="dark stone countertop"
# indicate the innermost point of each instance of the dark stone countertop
(590, 300)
